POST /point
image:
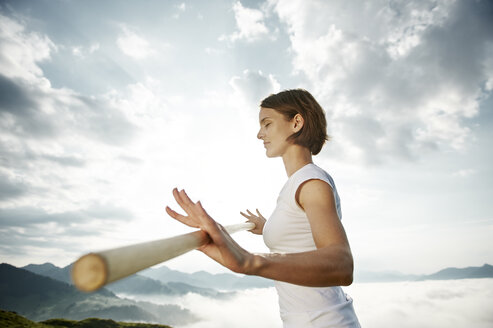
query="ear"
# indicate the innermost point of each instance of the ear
(298, 122)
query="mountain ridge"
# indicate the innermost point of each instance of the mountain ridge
(222, 281)
(135, 284)
(484, 271)
(228, 281)
(40, 297)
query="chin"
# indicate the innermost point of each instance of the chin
(271, 154)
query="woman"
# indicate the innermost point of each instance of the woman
(310, 254)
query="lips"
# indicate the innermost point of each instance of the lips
(265, 143)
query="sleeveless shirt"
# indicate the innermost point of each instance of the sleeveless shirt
(288, 231)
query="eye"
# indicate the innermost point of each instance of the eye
(266, 125)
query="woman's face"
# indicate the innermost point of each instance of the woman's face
(274, 130)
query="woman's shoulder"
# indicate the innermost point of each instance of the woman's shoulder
(312, 171)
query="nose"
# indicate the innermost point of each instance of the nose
(260, 134)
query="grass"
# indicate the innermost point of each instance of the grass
(13, 320)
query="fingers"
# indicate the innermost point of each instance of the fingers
(183, 200)
(258, 219)
(174, 214)
(250, 214)
(186, 203)
(188, 206)
(197, 216)
(183, 219)
(251, 218)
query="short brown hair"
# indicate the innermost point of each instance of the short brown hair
(313, 134)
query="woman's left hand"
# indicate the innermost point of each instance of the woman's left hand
(221, 247)
(258, 220)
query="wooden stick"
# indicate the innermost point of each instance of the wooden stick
(94, 270)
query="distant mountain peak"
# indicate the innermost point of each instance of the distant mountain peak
(46, 265)
(485, 271)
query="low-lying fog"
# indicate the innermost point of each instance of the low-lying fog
(434, 304)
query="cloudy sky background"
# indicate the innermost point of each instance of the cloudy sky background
(107, 106)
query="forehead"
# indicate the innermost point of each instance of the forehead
(267, 113)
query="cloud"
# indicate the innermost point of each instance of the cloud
(34, 109)
(96, 118)
(38, 120)
(20, 52)
(28, 216)
(231, 312)
(250, 24)
(457, 303)
(13, 97)
(134, 45)
(28, 233)
(53, 146)
(83, 52)
(10, 187)
(31, 107)
(409, 76)
(252, 86)
(20, 156)
(437, 304)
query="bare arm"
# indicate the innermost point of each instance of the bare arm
(331, 264)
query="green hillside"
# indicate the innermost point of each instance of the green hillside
(13, 320)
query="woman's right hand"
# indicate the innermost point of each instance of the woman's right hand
(258, 219)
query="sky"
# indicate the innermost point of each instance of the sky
(105, 107)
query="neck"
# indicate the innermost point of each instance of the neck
(295, 158)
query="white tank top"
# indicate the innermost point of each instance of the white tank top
(288, 231)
